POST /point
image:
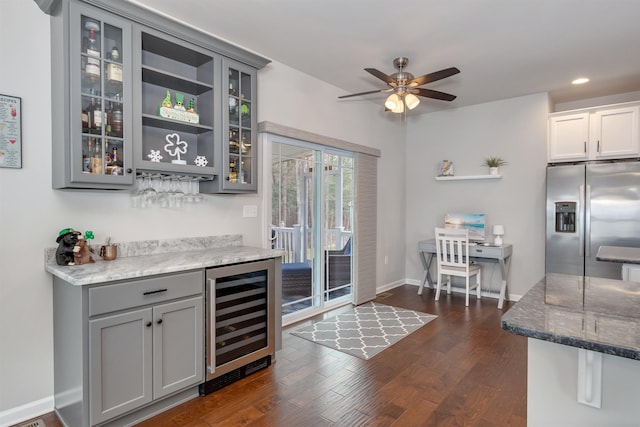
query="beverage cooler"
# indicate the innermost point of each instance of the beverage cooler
(240, 323)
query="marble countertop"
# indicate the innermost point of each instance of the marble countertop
(152, 257)
(586, 312)
(619, 254)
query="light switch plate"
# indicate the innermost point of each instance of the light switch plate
(250, 211)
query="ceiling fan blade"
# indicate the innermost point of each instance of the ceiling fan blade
(364, 93)
(433, 94)
(382, 76)
(433, 77)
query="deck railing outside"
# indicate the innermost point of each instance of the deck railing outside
(297, 244)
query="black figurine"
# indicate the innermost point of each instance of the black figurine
(66, 240)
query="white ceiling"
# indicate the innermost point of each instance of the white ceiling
(504, 48)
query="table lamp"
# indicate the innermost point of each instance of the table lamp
(498, 231)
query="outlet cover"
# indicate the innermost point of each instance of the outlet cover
(250, 211)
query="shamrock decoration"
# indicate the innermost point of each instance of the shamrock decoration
(88, 236)
(175, 147)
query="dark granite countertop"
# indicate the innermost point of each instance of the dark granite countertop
(586, 312)
(619, 254)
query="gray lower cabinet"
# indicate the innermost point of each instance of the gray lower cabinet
(141, 345)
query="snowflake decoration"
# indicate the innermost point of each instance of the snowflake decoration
(201, 161)
(155, 156)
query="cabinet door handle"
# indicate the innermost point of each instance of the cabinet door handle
(154, 292)
(598, 150)
(585, 146)
(149, 324)
(159, 321)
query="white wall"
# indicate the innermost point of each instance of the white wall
(514, 129)
(31, 213)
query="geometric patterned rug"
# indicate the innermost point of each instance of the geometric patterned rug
(366, 330)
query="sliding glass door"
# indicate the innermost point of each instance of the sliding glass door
(312, 217)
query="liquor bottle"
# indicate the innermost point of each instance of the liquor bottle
(116, 118)
(86, 156)
(92, 45)
(85, 121)
(242, 173)
(114, 69)
(234, 145)
(114, 155)
(107, 117)
(96, 159)
(95, 116)
(107, 152)
(92, 66)
(233, 172)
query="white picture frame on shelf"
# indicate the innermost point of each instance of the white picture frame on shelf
(445, 168)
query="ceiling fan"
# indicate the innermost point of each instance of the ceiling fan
(405, 87)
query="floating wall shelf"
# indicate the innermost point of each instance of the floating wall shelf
(466, 177)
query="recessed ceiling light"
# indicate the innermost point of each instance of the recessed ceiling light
(580, 81)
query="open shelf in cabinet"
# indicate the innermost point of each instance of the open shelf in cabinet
(178, 83)
(183, 73)
(169, 124)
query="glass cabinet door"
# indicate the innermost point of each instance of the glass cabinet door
(100, 48)
(239, 168)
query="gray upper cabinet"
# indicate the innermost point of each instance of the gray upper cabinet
(91, 93)
(238, 161)
(168, 99)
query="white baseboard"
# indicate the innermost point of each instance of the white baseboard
(25, 412)
(457, 289)
(389, 286)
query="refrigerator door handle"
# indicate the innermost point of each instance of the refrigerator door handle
(581, 217)
(587, 222)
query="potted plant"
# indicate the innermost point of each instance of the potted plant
(494, 163)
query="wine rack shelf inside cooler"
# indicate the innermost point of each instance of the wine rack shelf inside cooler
(241, 315)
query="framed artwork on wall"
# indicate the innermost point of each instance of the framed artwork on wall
(10, 132)
(445, 168)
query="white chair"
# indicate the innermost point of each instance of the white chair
(452, 252)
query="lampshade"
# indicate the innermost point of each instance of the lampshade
(498, 230)
(399, 108)
(412, 101)
(393, 101)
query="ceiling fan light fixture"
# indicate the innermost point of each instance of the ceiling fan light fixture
(412, 101)
(393, 101)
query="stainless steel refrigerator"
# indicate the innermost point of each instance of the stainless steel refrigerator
(591, 205)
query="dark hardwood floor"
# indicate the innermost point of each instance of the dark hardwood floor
(461, 369)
